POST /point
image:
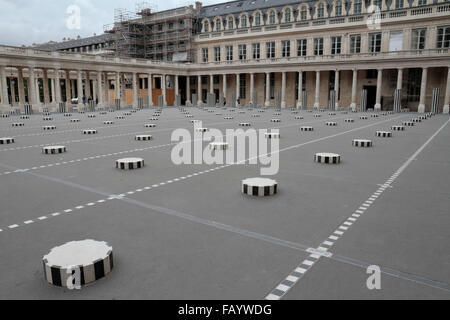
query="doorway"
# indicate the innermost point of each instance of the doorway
(371, 96)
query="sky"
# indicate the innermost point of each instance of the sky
(24, 22)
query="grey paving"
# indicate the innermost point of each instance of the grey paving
(182, 233)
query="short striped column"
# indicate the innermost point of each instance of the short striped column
(383, 134)
(54, 149)
(362, 143)
(143, 137)
(130, 163)
(327, 158)
(90, 131)
(259, 187)
(78, 263)
(6, 140)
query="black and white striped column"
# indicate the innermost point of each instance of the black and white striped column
(259, 187)
(78, 263)
(435, 100)
(332, 100)
(363, 104)
(398, 100)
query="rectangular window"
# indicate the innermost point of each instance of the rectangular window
(229, 50)
(242, 51)
(396, 41)
(318, 46)
(357, 7)
(375, 42)
(443, 37)
(422, 2)
(336, 45)
(205, 54)
(286, 48)
(217, 54)
(338, 9)
(270, 49)
(301, 47)
(418, 39)
(242, 86)
(256, 51)
(399, 4)
(355, 43)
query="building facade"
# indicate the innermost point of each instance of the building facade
(305, 53)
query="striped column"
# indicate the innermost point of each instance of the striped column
(317, 95)
(354, 83)
(300, 89)
(336, 89)
(332, 100)
(435, 101)
(304, 100)
(363, 104)
(397, 100)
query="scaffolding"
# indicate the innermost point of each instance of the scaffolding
(149, 34)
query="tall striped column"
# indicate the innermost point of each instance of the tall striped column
(435, 100)
(397, 100)
(304, 100)
(363, 103)
(300, 89)
(332, 100)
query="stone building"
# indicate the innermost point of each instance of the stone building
(252, 51)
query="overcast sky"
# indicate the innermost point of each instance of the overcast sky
(23, 22)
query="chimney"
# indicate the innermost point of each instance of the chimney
(198, 5)
(78, 37)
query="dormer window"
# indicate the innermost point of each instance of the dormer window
(243, 21)
(206, 26)
(303, 13)
(287, 15)
(272, 17)
(320, 10)
(230, 23)
(257, 19)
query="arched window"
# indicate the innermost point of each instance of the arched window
(206, 26)
(272, 17)
(257, 19)
(303, 13)
(320, 10)
(230, 23)
(287, 15)
(218, 25)
(338, 9)
(243, 21)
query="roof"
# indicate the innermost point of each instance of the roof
(76, 43)
(244, 6)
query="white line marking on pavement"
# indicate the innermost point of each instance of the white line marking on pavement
(277, 294)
